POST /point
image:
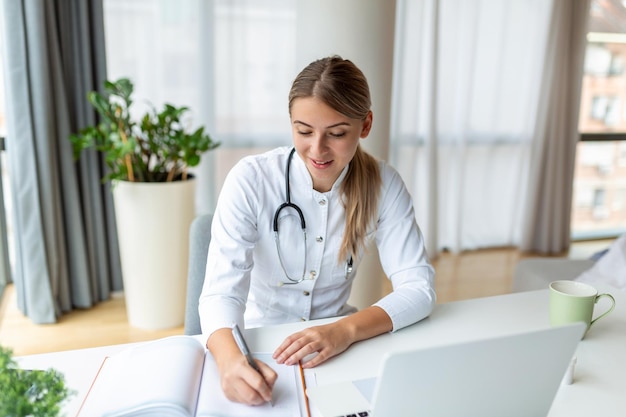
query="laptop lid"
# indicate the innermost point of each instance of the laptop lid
(513, 375)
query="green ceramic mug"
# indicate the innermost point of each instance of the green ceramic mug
(572, 301)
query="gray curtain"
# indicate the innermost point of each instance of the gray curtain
(546, 226)
(5, 262)
(65, 241)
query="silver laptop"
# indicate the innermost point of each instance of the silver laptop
(514, 375)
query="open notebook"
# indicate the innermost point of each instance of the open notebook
(513, 376)
(176, 376)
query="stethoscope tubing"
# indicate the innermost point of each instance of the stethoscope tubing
(289, 204)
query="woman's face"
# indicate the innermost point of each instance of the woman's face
(325, 139)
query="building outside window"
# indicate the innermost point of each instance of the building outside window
(598, 206)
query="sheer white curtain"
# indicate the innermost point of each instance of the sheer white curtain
(230, 61)
(468, 84)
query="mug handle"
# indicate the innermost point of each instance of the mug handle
(606, 312)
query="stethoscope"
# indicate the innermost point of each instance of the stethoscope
(294, 206)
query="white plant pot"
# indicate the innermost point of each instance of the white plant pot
(153, 222)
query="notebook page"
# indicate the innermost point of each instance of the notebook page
(163, 375)
(287, 393)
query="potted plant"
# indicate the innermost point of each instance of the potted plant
(25, 393)
(153, 195)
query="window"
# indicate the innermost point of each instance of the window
(605, 110)
(617, 65)
(598, 204)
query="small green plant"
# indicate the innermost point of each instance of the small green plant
(26, 393)
(157, 149)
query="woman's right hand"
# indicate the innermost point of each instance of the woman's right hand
(240, 382)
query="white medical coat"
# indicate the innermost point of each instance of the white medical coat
(244, 276)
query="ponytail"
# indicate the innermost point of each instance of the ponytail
(360, 191)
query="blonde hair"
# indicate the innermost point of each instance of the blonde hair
(342, 86)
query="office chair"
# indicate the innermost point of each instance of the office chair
(199, 238)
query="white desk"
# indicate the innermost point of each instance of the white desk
(599, 379)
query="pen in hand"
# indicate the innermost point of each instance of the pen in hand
(243, 346)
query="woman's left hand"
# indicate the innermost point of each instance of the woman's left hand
(331, 339)
(327, 340)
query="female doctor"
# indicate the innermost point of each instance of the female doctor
(290, 230)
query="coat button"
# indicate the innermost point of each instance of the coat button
(306, 293)
(319, 239)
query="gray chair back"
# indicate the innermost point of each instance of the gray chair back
(199, 239)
